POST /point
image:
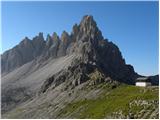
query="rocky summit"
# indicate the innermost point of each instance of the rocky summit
(49, 78)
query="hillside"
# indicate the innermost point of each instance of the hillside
(120, 103)
(100, 101)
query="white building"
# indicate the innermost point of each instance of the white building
(143, 82)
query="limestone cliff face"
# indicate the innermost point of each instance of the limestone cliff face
(93, 49)
(86, 41)
(26, 51)
(94, 55)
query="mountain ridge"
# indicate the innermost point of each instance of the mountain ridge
(40, 47)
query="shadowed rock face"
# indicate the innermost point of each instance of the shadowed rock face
(65, 41)
(26, 51)
(154, 79)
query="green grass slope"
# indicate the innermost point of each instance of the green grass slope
(124, 101)
(112, 101)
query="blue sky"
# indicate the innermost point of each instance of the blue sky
(133, 26)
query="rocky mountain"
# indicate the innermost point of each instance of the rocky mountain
(86, 41)
(154, 79)
(38, 71)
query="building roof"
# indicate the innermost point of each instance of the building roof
(143, 79)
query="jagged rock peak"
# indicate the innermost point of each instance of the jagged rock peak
(87, 23)
(88, 27)
(40, 34)
(64, 36)
(49, 40)
(64, 33)
(75, 29)
(26, 38)
(39, 37)
(48, 37)
(74, 33)
(55, 36)
(25, 41)
(88, 19)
